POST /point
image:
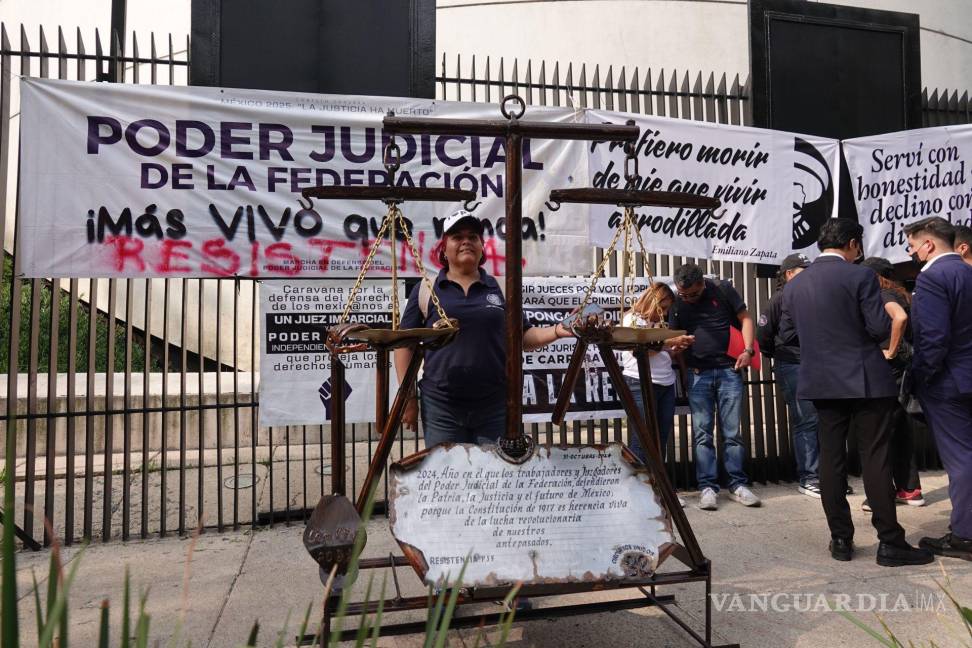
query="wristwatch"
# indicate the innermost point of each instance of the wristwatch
(751, 352)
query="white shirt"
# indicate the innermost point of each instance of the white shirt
(662, 372)
(931, 261)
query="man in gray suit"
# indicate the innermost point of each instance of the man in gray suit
(833, 310)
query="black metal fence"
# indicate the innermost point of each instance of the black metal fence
(131, 405)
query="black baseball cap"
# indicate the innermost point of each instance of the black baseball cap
(879, 265)
(796, 260)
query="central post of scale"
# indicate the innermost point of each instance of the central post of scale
(514, 444)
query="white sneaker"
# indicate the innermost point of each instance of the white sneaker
(744, 496)
(810, 490)
(707, 500)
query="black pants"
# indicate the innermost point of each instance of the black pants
(871, 421)
(904, 466)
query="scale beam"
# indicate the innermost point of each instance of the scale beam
(634, 198)
(504, 128)
(389, 194)
(513, 442)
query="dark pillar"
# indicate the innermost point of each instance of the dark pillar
(368, 47)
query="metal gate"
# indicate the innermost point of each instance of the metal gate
(131, 405)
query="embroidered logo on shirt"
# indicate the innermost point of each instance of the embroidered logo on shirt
(494, 299)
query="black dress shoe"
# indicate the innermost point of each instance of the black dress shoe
(949, 545)
(889, 555)
(841, 549)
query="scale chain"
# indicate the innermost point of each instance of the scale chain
(364, 271)
(425, 277)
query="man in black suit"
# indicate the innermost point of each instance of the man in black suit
(833, 309)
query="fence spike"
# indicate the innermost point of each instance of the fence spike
(542, 82)
(4, 41)
(582, 83)
(24, 45)
(529, 81)
(710, 98)
(661, 105)
(488, 88)
(622, 91)
(153, 67)
(458, 77)
(44, 59)
(516, 75)
(472, 78)
(135, 63)
(673, 107)
(649, 108)
(608, 85)
(61, 54)
(964, 107)
(635, 95)
(502, 80)
(723, 116)
(698, 101)
(556, 83)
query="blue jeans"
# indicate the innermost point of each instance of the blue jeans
(446, 421)
(665, 402)
(709, 389)
(803, 423)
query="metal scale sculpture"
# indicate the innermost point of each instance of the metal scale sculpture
(514, 447)
(334, 523)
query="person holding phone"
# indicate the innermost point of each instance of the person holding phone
(707, 310)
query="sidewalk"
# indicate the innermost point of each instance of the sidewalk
(779, 549)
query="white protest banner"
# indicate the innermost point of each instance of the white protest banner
(547, 301)
(295, 369)
(121, 180)
(776, 188)
(899, 178)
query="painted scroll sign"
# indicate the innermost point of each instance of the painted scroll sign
(567, 514)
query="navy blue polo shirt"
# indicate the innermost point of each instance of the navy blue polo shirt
(472, 368)
(708, 320)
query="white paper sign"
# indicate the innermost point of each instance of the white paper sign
(776, 188)
(295, 368)
(122, 180)
(565, 515)
(547, 301)
(900, 178)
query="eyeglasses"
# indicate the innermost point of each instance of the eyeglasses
(691, 294)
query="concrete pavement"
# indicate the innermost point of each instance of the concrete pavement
(771, 569)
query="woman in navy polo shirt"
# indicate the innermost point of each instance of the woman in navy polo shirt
(463, 388)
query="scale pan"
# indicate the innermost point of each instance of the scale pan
(633, 198)
(392, 194)
(636, 336)
(401, 337)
